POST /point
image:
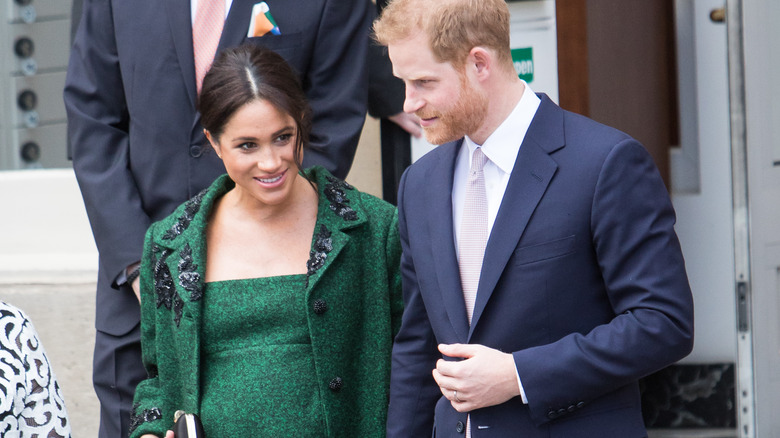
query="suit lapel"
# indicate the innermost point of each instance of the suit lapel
(236, 23)
(532, 173)
(440, 227)
(179, 17)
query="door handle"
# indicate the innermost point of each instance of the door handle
(718, 15)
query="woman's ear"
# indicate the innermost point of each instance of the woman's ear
(214, 142)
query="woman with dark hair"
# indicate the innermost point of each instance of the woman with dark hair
(269, 301)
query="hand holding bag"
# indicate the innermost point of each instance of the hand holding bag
(187, 426)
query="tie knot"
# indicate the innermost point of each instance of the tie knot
(478, 160)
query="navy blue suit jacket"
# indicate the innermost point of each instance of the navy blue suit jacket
(583, 281)
(137, 143)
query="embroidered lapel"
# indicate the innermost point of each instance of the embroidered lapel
(339, 210)
(179, 260)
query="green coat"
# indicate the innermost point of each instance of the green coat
(353, 297)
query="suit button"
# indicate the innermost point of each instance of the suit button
(460, 427)
(196, 151)
(580, 404)
(552, 415)
(561, 412)
(320, 306)
(571, 408)
(335, 384)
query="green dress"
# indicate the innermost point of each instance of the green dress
(254, 332)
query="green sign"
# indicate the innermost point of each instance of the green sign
(523, 59)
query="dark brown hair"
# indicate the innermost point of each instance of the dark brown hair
(243, 74)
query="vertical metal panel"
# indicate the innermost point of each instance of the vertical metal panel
(739, 175)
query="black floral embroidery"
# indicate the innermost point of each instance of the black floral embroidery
(164, 286)
(148, 415)
(335, 192)
(323, 244)
(163, 280)
(190, 209)
(189, 278)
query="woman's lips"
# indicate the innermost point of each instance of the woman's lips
(272, 181)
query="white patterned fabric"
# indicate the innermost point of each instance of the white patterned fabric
(473, 237)
(31, 403)
(473, 233)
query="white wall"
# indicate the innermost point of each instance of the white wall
(44, 228)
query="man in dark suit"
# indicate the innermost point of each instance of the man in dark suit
(542, 274)
(139, 150)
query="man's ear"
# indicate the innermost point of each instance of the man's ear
(214, 142)
(481, 60)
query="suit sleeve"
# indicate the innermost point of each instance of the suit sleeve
(149, 410)
(98, 133)
(336, 85)
(639, 256)
(413, 392)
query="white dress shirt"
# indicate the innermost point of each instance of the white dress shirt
(501, 149)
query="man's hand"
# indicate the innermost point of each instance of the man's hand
(409, 122)
(136, 285)
(485, 377)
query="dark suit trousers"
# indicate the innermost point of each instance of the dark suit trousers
(117, 369)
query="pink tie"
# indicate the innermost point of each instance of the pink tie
(209, 20)
(474, 231)
(473, 237)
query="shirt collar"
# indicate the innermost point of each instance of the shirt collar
(502, 146)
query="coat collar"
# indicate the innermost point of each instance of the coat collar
(339, 209)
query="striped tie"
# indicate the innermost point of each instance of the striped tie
(209, 21)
